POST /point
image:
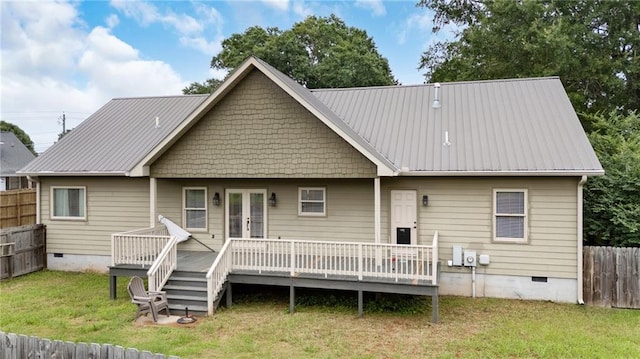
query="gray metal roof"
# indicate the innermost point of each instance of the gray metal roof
(116, 137)
(522, 125)
(13, 154)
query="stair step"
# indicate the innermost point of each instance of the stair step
(174, 287)
(183, 297)
(193, 309)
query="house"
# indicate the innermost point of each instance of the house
(13, 156)
(481, 178)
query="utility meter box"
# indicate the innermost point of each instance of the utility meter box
(470, 259)
(457, 255)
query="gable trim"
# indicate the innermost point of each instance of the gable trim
(384, 166)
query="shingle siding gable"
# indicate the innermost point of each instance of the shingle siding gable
(259, 131)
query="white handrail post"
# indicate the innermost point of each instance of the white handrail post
(293, 258)
(360, 261)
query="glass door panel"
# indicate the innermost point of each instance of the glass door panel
(257, 214)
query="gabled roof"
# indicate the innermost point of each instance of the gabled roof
(13, 154)
(296, 91)
(116, 137)
(521, 126)
(504, 127)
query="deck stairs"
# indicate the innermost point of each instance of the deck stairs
(187, 289)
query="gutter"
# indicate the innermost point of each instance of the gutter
(567, 173)
(581, 183)
(36, 180)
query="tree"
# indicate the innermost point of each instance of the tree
(208, 86)
(591, 44)
(319, 52)
(20, 135)
(612, 202)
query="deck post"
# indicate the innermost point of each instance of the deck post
(228, 295)
(113, 285)
(292, 298)
(360, 304)
(377, 218)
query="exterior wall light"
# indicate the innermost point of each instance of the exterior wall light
(272, 199)
(216, 199)
(425, 200)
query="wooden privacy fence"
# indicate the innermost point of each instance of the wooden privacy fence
(17, 208)
(22, 250)
(13, 346)
(612, 277)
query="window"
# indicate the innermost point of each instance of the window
(68, 202)
(195, 208)
(510, 213)
(312, 201)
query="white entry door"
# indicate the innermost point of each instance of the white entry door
(246, 212)
(404, 217)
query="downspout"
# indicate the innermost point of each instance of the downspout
(36, 180)
(583, 180)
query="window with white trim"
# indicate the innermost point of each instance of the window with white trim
(69, 202)
(510, 215)
(194, 206)
(312, 201)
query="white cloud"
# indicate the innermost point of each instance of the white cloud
(282, 5)
(52, 63)
(301, 9)
(190, 29)
(376, 6)
(112, 21)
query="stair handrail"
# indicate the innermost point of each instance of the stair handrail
(163, 266)
(217, 275)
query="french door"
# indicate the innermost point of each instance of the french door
(246, 213)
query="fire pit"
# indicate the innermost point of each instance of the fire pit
(188, 318)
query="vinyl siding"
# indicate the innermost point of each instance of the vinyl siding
(349, 209)
(460, 209)
(113, 205)
(259, 131)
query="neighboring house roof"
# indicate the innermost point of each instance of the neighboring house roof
(526, 126)
(116, 137)
(503, 127)
(13, 154)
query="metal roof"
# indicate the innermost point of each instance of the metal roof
(116, 137)
(520, 126)
(13, 154)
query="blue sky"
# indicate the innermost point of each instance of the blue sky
(74, 56)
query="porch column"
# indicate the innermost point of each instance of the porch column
(376, 209)
(153, 192)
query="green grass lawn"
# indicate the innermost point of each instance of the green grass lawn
(76, 307)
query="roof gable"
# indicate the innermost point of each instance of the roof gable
(293, 89)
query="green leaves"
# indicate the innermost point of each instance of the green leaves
(612, 202)
(319, 52)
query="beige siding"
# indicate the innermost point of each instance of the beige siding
(461, 210)
(349, 209)
(258, 131)
(113, 205)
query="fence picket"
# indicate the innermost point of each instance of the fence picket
(13, 346)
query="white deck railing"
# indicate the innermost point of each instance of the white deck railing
(217, 275)
(138, 247)
(364, 261)
(163, 266)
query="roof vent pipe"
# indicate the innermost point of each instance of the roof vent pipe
(157, 122)
(436, 95)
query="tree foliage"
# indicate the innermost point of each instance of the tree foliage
(318, 52)
(612, 202)
(208, 86)
(20, 134)
(593, 45)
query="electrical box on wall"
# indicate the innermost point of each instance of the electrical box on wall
(470, 259)
(457, 255)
